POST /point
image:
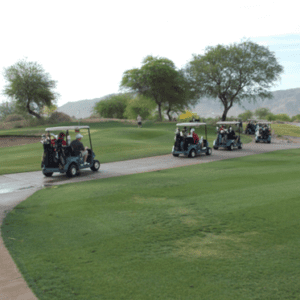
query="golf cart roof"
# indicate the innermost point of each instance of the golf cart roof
(263, 122)
(228, 122)
(191, 124)
(67, 128)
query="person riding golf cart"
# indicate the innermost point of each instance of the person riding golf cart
(66, 157)
(251, 126)
(263, 132)
(190, 144)
(226, 138)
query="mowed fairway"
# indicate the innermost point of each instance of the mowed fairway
(222, 230)
(111, 141)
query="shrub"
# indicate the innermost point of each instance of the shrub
(113, 107)
(283, 117)
(59, 117)
(248, 114)
(14, 117)
(296, 117)
(270, 117)
(93, 116)
(19, 125)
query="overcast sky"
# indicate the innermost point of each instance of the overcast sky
(87, 45)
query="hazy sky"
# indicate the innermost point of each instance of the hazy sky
(87, 45)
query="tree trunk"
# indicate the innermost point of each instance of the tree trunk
(168, 114)
(32, 112)
(159, 111)
(225, 113)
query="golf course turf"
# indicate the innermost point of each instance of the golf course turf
(221, 230)
(112, 141)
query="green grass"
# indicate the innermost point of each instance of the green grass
(286, 129)
(112, 141)
(223, 230)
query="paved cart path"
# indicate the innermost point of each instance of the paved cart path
(15, 188)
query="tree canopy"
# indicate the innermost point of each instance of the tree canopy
(113, 107)
(262, 112)
(30, 86)
(159, 80)
(140, 105)
(248, 114)
(234, 73)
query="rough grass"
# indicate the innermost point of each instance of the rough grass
(111, 141)
(223, 230)
(286, 129)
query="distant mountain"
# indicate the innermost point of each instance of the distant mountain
(284, 101)
(81, 109)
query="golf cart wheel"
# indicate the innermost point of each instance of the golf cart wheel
(269, 142)
(192, 153)
(239, 147)
(230, 147)
(176, 155)
(72, 171)
(209, 151)
(216, 148)
(96, 165)
(48, 174)
(256, 141)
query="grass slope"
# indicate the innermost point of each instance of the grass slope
(223, 230)
(112, 141)
(286, 129)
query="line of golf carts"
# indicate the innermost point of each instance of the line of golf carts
(190, 145)
(261, 129)
(60, 156)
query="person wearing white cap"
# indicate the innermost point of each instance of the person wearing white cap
(78, 148)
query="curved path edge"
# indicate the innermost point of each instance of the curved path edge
(15, 188)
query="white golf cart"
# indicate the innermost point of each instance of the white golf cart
(185, 144)
(251, 126)
(226, 138)
(263, 132)
(59, 155)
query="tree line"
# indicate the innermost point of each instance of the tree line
(264, 113)
(229, 74)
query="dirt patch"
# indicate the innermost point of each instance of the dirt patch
(17, 141)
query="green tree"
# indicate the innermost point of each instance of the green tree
(296, 117)
(182, 98)
(113, 107)
(262, 112)
(248, 114)
(30, 86)
(270, 117)
(159, 80)
(234, 73)
(139, 105)
(49, 110)
(283, 117)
